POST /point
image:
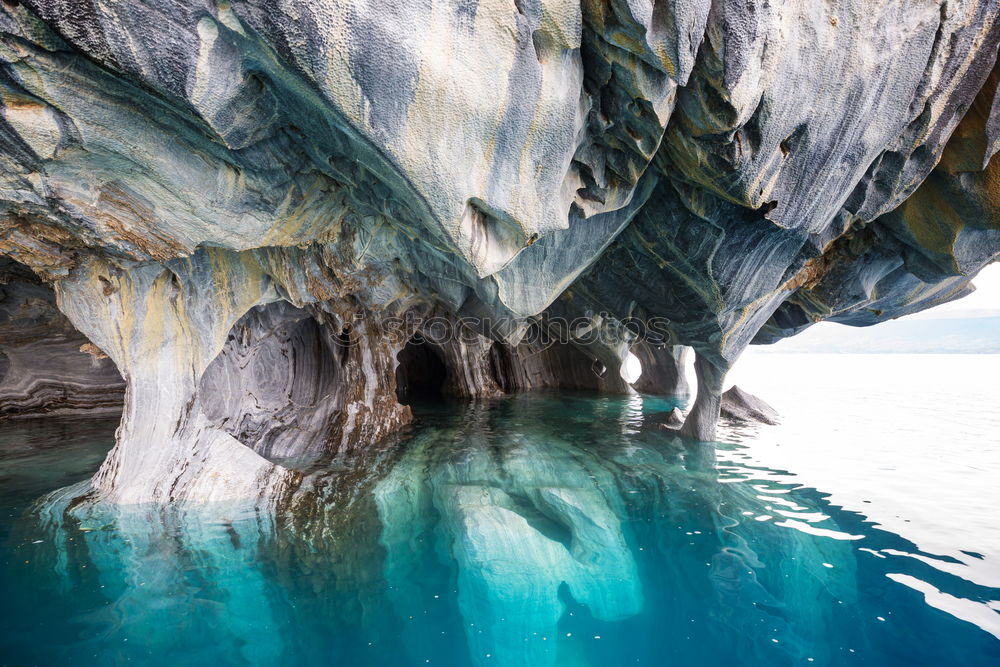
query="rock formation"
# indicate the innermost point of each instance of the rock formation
(252, 208)
(47, 366)
(745, 407)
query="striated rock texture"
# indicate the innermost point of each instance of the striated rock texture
(255, 209)
(47, 366)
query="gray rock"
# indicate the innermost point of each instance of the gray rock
(742, 406)
(46, 366)
(737, 171)
(672, 420)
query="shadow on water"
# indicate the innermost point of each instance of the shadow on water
(529, 530)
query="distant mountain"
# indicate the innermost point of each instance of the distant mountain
(946, 335)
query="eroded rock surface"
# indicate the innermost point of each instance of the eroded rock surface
(549, 172)
(47, 366)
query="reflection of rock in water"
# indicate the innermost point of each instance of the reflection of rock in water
(520, 519)
(213, 586)
(492, 523)
(522, 514)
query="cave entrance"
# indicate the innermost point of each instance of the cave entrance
(276, 384)
(421, 372)
(631, 369)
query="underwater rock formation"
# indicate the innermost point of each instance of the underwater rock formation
(252, 210)
(515, 543)
(507, 532)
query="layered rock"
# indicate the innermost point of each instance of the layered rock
(918, 255)
(224, 194)
(47, 366)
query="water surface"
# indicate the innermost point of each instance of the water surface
(550, 530)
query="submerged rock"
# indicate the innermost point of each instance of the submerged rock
(673, 419)
(572, 182)
(502, 533)
(745, 407)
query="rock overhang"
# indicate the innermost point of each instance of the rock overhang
(741, 171)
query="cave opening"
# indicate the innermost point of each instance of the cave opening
(631, 369)
(420, 373)
(276, 385)
(46, 363)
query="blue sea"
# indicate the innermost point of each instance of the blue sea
(550, 529)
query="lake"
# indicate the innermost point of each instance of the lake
(551, 529)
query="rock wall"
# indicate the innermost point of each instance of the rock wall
(47, 366)
(259, 181)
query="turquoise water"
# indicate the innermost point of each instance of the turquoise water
(534, 530)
